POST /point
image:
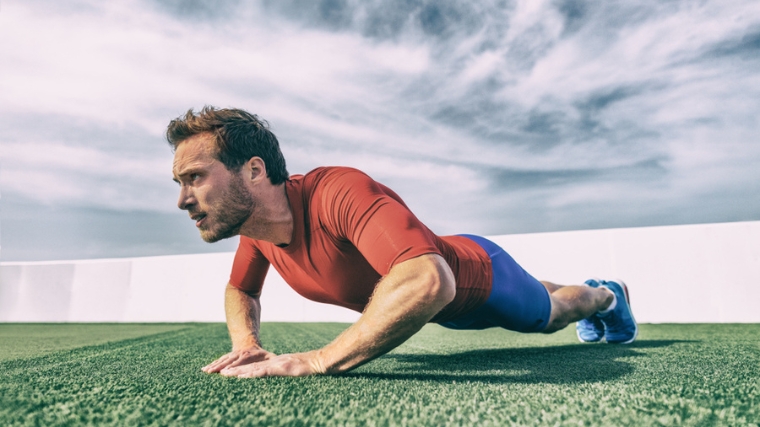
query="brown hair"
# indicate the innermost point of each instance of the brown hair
(239, 136)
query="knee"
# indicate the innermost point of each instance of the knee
(550, 287)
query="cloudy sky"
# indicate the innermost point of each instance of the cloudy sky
(487, 117)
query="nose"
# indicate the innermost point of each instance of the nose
(186, 198)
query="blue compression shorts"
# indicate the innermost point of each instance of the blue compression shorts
(517, 302)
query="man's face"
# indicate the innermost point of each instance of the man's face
(215, 198)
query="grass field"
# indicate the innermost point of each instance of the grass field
(149, 374)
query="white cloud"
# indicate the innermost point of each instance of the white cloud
(53, 173)
(442, 116)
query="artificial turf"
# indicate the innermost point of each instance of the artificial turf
(680, 375)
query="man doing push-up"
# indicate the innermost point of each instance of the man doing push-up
(337, 236)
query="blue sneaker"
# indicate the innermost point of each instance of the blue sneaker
(590, 329)
(619, 325)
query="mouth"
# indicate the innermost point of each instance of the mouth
(198, 218)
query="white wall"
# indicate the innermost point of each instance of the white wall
(182, 288)
(691, 273)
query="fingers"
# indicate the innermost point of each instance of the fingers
(236, 362)
(255, 370)
(252, 370)
(219, 363)
(258, 372)
(286, 365)
(234, 358)
(237, 358)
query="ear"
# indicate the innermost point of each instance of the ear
(255, 169)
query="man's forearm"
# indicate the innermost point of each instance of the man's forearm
(243, 314)
(403, 302)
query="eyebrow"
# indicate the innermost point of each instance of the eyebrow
(188, 170)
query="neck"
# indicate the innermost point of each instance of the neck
(272, 218)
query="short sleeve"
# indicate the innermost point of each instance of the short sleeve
(375, 220)
(249, 267)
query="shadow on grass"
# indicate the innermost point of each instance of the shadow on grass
(566, 364)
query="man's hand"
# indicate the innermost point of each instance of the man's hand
(285, 365)
(243, 314)
(241, 357)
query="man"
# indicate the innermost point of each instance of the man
(337, 236)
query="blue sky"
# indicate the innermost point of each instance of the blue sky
(489, 117)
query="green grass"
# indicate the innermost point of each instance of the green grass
(104, 374)
(36, 339)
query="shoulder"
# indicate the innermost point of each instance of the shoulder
(248, 245)
(331, 174)
(337, 180)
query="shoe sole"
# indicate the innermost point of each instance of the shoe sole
(582, 340)
(630, 312)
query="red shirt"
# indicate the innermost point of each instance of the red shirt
(349, 231)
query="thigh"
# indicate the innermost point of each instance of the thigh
(517, 302)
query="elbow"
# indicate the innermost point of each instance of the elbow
(440, 283)
(448, 290)
(234, 290)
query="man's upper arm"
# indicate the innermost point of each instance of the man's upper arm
(429, 272)
(376, 221)
(249, 268)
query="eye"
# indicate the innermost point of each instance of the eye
(194, 176)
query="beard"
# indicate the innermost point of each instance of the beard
(233, 208)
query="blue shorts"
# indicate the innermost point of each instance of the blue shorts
(517, 302)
